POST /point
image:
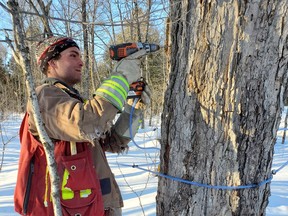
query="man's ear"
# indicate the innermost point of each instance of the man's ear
(52, 63)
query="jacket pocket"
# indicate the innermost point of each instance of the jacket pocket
(81, 206)
(80, 188)
(105, 186)
(77, 173)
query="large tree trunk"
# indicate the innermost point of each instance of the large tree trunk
(222, 106)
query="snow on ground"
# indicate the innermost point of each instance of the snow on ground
(138, 187)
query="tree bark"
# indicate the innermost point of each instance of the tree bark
(223, 105)
(86, 83)
(92, 60)
(44, 17)
(121, 20)
(24, 61)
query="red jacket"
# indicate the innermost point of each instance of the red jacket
(67, 117)
(85, 197)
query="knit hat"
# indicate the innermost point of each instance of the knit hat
(51, 47)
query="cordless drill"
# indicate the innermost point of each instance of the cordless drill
(120, 51)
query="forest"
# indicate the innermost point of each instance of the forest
(219, 86)
(95, 25)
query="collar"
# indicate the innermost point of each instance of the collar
(54, 81)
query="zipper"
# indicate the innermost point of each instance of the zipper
(28, 185)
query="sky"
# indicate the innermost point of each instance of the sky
(102, 33)
(138, 188)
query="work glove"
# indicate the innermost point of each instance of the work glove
(122, 125)
(115, 88)
(129, 67)
(146, 96)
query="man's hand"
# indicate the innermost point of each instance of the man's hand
(130, 66)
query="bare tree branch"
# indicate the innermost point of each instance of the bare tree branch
(24, 59)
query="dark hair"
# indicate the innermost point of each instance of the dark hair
(50, 48)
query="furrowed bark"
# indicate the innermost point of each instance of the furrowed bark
(223, 105)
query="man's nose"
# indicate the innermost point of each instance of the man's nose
(81, 62)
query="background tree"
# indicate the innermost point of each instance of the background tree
(139, 28)
(103, 24)
(11, 85)
(3, 85)
(223, 104)
(85, 77)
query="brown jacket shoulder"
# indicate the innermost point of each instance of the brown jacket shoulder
(66, 117)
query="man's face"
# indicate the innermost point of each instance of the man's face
(68, 67)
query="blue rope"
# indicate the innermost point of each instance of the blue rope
(218, 187)
(280, 168)
(130, 129)
(282, 129)
(148, 164)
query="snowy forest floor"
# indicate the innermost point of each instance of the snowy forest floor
(139, 188)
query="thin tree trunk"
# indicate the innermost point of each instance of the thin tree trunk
(66, 13)
(92, 60)
(44, 16)
(223, 105)
(149, 4)
(112, 21)
(24, 59)
(121, 20)
(86, 83)
(285, 126)
(136, 18)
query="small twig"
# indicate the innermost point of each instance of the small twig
(138, 196)
(147, 155)
(285, 126)
(4, 146)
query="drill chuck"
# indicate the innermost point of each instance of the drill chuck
(148, 47)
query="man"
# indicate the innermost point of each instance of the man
(81, 131)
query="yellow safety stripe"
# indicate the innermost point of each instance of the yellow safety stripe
(46, 186)
(85, 193)
(109, 84)
(120, 85)
(119, 104)
(122, 79)
(67, 193)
